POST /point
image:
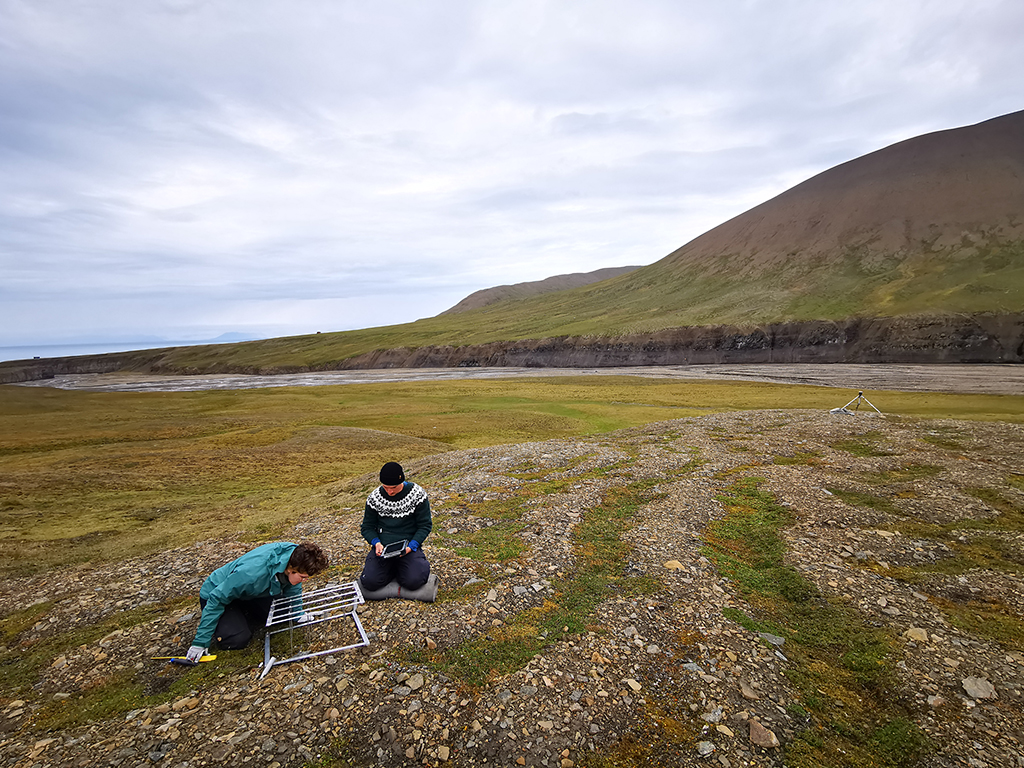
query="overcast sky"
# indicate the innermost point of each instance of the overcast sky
(183, 169)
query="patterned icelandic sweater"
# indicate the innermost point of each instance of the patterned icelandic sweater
(393, 518)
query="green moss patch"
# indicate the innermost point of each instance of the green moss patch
(861, 499)
(843, 664)
(865, 446)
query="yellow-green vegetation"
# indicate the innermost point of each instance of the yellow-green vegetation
(864, 445)
(808, 458)
(105, 473)
(599, 573)
(905, 474)
(975, 544)
(104, 696)
(861, 499)
(123, 691)
(714, 291)
(842, 664)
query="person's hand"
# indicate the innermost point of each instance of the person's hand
(195, 653)
(378, 548)
(305, 618)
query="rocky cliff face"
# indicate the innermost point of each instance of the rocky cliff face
(956, 339)
(977, 339)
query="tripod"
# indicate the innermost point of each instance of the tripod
(857, 400)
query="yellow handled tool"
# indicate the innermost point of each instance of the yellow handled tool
(182, 658)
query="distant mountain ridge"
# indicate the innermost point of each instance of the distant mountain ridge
(930, 225)
(912, 253)
(930, 191)
(488, 296)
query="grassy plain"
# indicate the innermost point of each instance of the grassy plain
(104, 473)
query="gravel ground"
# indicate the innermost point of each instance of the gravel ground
(670, 656)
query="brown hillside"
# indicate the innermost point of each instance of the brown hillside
(535, 288)
(930, 190)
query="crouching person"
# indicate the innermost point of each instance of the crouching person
(236, 597)
(398, 510)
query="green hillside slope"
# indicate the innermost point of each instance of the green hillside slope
(930, 226)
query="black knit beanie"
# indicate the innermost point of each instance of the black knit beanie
(392, 473)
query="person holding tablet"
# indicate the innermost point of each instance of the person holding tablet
(396, 520)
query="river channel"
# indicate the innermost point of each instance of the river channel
(981, 379)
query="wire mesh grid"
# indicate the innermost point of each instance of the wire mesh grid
(316, 623)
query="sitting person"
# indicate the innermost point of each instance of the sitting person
(396, 511)
(236, 597)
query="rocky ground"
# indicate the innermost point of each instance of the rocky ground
(663, 667)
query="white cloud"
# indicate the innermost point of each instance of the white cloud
(262, 165)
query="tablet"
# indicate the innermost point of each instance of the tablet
(395, 548)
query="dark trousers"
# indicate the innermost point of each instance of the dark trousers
(410, 570)
(241, 618)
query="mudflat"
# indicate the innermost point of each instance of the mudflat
(963, 379)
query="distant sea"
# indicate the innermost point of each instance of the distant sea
(69, 350)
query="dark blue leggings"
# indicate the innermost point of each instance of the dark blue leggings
(410, 570)
(241, 618)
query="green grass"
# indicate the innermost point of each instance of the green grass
(599, 573)
(86, 475)
(861, 499)
(496, 543)
(843, 664)
(28, 652)
(864, 446)
(808, 458)
(120, 692)
(678, 291)
(905, 474)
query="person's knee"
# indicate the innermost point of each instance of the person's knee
(373, 582)
(416, 573)
(235, 639)
(413, 582)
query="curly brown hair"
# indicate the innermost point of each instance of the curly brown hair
(308, 558)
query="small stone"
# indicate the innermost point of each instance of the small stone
(747, 692)
(761, 736)
(431, 645)
(674, 565)
(917, 634)
(633, 684)
(415, 682)
(936, 701)
(714, 716)
(187, 703)
(724, 730)
(705, 748)
(443, 753)
(979, 688)
(773, 639)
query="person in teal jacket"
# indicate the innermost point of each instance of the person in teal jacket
(236, 597)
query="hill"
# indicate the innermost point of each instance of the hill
(913, 253)
(548, 285)
(767, 587)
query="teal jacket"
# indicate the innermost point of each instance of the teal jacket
(252, 575)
